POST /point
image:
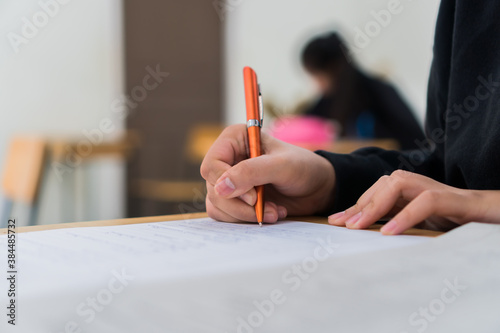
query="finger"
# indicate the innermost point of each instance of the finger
(378, 202)
(250, 197)
(218, 214)
(233, 207)
(239, 210)
(282, 212)
(229, 148)
(216, 169)
(368, 195)
(401, 186)
(271, 214)
(252, 172)
(352, 214)
(429, 203)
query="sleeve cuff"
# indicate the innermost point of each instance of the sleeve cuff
(354, 174)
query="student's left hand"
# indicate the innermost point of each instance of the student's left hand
(409, 199)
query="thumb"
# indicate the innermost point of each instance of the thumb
(247, 174)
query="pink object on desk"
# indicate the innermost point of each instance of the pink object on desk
(305, 131)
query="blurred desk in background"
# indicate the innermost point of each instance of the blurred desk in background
(30, 158)
(346, 146)
(63, 149)
(201, 138)
(168, 191)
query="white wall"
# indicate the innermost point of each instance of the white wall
(269, 35)
(62, 81)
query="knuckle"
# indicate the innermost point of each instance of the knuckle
(239, 170)
(230, 131)
(211, 211)
(362, 203)
(394, 182)
(371, 205)
(204, 170)
(214, 213)
(402, 174)
(385, 178)
(431, 197)
(212, 197)
(373, 209)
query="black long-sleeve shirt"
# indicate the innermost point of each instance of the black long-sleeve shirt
(463, 111)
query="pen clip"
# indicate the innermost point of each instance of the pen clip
(261, 107)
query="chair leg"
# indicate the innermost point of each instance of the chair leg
(33, 214)
(34, 208)
(6, 211)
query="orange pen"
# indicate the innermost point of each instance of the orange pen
(255, 117)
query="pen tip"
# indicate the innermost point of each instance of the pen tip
(260, 223)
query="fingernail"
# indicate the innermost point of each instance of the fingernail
(353, 220)
(225, 187)
(334, 217)
(389, 227)
(282, 212)
(247, 198)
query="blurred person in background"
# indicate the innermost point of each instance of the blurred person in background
(365, 107)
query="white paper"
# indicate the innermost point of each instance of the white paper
(181, 249)
(68, 265)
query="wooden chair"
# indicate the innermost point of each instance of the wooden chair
(63, 149)
(22, 174)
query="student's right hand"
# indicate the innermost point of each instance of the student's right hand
(298, 181)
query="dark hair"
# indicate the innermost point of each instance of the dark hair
(324, 53)
(328, 54)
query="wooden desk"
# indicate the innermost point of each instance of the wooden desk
(104, 223)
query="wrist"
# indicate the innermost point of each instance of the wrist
(326, 192)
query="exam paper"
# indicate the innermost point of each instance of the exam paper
(180, 249)
(60, 270)
(450, 284)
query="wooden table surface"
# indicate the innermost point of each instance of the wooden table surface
(103, 223)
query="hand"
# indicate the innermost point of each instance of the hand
(411, 199)
(299, 182)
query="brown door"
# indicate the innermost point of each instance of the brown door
(183, 39)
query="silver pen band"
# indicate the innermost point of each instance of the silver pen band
(253, 123)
